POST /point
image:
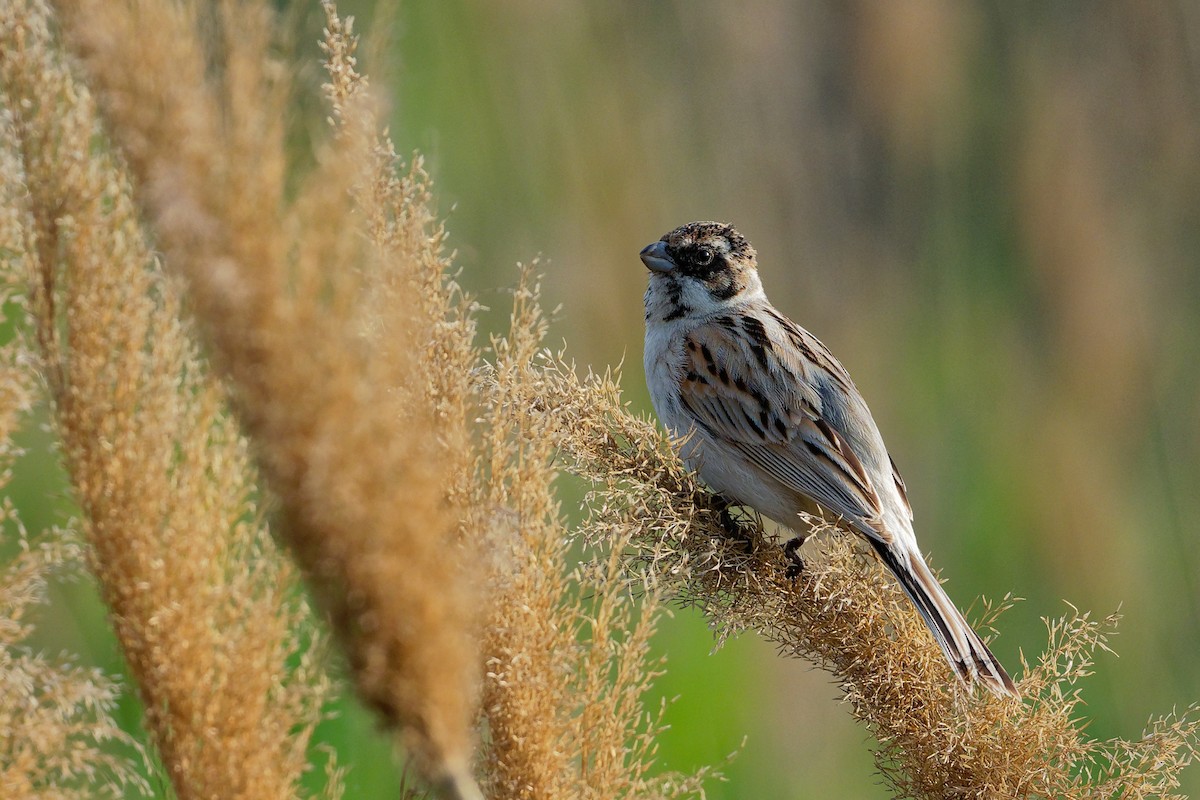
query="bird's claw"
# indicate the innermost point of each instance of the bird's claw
(792, 556)
(731, 527)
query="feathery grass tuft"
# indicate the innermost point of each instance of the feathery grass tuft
(58, 737)
(567, 655)
(206, 611)
(301, 311)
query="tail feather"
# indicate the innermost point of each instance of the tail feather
(968, 655)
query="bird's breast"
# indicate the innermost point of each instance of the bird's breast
(663, 362)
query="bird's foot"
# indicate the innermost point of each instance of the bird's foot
(731, 526)
(792, 556)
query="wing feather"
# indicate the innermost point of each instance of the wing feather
(773, 417)
(900, 487)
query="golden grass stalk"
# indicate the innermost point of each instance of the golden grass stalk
(934, 739)
(205, 609)
(57, 735)
(567, 654)
(323, 332)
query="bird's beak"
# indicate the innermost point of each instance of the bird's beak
(655, 257)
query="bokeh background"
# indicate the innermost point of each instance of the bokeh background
(989, 211)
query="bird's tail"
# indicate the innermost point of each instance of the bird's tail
(966, 652)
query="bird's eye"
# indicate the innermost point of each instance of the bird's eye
(703, 257)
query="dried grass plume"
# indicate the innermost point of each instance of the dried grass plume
(568, 661)
(298, 296)
(205, 609)
(58, 737)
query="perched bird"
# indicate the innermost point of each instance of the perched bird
(769, 419)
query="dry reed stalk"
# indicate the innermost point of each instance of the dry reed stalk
(301, 310)
(567, 654)
(57, 735)
(564, 676)
(205, 609)
(935, 739)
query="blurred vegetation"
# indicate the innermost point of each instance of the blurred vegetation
(990, 212)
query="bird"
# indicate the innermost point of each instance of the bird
(766, 416)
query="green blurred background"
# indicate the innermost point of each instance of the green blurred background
(989, 211)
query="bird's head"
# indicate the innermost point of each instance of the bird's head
(707, 264)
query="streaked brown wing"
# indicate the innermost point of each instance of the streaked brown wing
(768, 410)
(900, 487)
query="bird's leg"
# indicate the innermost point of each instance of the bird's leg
(732, 529)
(791, 554)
